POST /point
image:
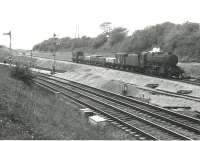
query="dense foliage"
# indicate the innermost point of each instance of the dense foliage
(23, 73)
(182, 39)
(117, 35)
(4, 53)
(99, 41)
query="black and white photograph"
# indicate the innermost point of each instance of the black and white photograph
(99, 70)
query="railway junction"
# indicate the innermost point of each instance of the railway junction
(145, 107)
(143, 111)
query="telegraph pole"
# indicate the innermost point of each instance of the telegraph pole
(78, 31)
(31, 57)
(10, 57)
(54, 54)
(75, 32)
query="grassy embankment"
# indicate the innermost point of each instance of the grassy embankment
(192, 69)
(66, 55)
(34, 113)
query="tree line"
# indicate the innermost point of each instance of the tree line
(181, 39)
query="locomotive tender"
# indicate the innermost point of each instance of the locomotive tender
(153, 63)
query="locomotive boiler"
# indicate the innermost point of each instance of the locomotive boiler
(162, 58)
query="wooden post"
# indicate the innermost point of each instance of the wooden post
(10, 57)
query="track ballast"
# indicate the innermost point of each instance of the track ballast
(153, 120)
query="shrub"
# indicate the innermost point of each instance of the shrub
(99, 40)
(23, 73)
(117, 35)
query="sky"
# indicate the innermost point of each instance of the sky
(33, 21)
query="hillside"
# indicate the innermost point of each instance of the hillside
(181, 39)
(5, 52)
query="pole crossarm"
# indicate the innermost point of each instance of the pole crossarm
(9, 33)
(54, 35)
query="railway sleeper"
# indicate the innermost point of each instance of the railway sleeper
(121, 117)
(130, 131)
(127, 119)
(121, 126)
(115, 123)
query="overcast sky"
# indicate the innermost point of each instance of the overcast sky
(32, 21)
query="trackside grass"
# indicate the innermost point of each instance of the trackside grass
(34, 113)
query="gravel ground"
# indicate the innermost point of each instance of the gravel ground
(191, 68)
(112, 80)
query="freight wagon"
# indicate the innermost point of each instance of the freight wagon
(160, 63)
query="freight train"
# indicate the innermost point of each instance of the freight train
(151, 63)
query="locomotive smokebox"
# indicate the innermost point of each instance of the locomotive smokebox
(172, 60)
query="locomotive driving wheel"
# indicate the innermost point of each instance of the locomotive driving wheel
(162, 71)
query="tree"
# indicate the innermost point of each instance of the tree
(117, 35)
(106, 27)
(99, 40)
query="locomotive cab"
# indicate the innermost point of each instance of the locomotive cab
(77, 56)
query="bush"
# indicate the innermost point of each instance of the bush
(99, 40)
(23, 73)
(117, 35)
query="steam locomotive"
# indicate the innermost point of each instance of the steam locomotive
(153, 63)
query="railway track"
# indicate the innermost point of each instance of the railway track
(192, 81)
(149, 121)
(163, 92)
